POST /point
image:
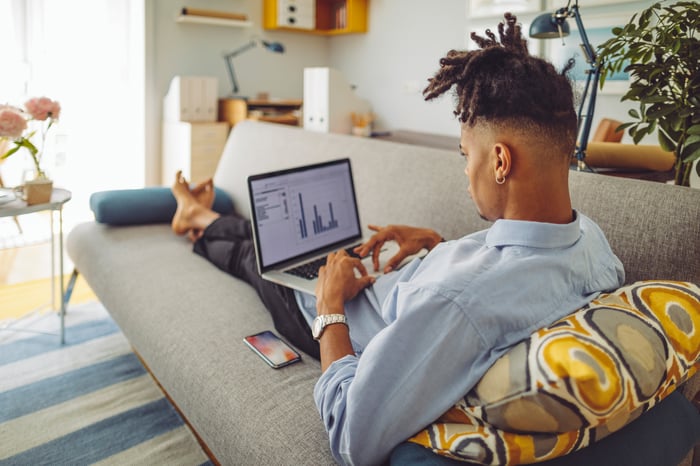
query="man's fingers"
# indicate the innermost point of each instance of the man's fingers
(367, 280)
(361, 267)
(376, 251)
(394, 261)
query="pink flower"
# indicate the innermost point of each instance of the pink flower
(12, 123)
(42, 108)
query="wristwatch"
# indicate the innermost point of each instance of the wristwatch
(324, 320)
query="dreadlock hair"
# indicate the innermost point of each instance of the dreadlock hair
(501, 84)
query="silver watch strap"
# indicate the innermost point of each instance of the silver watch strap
(329, 319)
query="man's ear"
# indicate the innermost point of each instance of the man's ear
(503, 161)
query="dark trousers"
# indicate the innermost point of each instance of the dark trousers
(227, 243)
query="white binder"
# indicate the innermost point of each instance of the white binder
(191, 98)
(329, 101)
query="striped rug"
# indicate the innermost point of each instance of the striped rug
(88, 402)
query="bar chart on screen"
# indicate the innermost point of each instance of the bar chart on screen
(319, 209)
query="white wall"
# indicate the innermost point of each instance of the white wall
(196, 49)
(389, 65)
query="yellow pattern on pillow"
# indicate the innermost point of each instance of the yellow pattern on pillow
(578, 380)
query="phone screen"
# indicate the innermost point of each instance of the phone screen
(272, 349)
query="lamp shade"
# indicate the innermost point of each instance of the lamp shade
(273, 46)
(549, 26)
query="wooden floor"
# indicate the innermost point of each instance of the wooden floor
(25, 278)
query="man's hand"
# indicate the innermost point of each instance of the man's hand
(338, 283)
(411, 240)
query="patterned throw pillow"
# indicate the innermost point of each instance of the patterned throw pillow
(580, 379)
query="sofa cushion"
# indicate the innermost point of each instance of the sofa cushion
(579, 379)
(141, 206)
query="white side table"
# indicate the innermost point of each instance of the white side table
(59, 197)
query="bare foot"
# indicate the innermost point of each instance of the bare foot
(186, 206)
(184, 198)
(190, 216)
(204, 193)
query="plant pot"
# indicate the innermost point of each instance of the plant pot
(37, 191)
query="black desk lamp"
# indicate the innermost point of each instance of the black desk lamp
(553, 25)
(271, 46)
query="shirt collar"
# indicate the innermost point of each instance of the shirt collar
(533, 234)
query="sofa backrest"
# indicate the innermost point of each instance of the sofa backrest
(654, 228)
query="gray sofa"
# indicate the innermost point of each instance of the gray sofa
(187, 319)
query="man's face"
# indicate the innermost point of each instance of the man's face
(477, 146)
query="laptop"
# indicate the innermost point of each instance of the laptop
(301, 214)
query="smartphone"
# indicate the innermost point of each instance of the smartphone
(272, 349)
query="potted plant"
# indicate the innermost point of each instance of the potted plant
(19, 127)
(660, 49)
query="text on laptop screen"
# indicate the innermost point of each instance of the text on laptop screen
(300, 210)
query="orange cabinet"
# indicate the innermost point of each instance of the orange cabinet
(322, 17)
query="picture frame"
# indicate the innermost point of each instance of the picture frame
(598, 29)
(496, 8)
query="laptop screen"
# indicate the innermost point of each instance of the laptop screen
(304, 211)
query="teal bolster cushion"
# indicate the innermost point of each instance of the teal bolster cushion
(144, 205)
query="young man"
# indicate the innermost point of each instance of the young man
(401, 349)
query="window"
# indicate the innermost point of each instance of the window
(89, 56)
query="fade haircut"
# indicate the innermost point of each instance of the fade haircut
(502, 85)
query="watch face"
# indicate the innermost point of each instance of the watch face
(317, 327)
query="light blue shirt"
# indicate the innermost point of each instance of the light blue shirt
(425, 334)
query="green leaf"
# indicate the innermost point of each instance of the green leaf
(695, 129)
(623, 127)
(656, 99)
(11, 151)
(26, 143)
(690, 152)
(665, 142)
(657, 111)
(692, 140)
(632, 93)
(634, 114)
(676, 46)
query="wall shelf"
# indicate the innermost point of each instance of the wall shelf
(213, 21)
(318, 17)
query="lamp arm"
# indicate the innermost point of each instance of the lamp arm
(231, 74)
(585, 43)
(592, 82)
(242, 49)
(229, 63)
(591, 85)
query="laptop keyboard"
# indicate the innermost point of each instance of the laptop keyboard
(309, 270)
